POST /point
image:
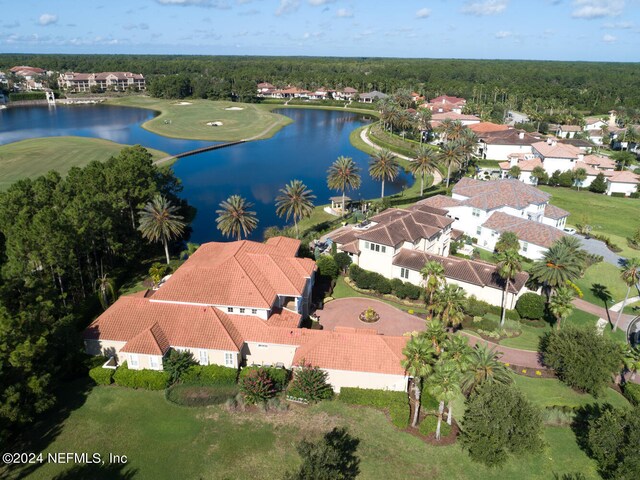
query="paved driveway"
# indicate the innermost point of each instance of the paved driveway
(344, 312)
(597, 247)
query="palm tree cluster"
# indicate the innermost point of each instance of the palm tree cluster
(448, 366)
(458, 148)
(343, 175)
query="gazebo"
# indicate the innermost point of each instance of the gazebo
(336, 203)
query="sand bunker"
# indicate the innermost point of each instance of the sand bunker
(183, 103)
(234, 108)
(214, 124)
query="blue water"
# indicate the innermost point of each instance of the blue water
(303, 150)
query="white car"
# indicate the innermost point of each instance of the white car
(570, 231)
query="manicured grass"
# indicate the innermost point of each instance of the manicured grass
(34, 157)
(527, 340)
(629, 309)
(317, 217)
(356, 140)
(611, 216)
(547, 392)
(190, 121)
(163, 440)
(602, 273)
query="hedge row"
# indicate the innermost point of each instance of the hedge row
(147, 379)
(102, 376)
(200, 395)
(210, 375)
(478, 308)
(397, 403)
(632, 393)
(367, 280)
(279, 376)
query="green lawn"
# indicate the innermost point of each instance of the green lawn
(632, 308)
(615, 217)
(162, 440)
(547, 392)
(602, 273)
(34, 157)
(188, 118)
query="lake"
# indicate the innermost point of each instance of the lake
(256, 170)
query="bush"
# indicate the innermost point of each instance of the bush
(632, 393)
(412, 291)
(177, 363)
(581, 358)
(102, 376)
(327, 266)
(257, 386)
(635, 194)
(397, 403)
(146, 379)
(429, 425)
(474, 307)
(17, 97)
(310, 384)
(397, 286)
(618, 194)
(200, 395)
(343, 260)
(565, 179)
(210, 375)
(531, 305)
(380, 284)
(599, 184)
(279, 376)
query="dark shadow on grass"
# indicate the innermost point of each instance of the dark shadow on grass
(70, 396)
(108, 471)
(580, 425)
(602, 293)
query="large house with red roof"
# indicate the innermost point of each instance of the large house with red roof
(83, 82)
(445, 104)
(241, 303)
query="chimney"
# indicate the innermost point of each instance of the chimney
(549, 141)
(521, 135)
(580, 157)
(553, 143)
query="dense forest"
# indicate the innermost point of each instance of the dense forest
(583, 86)
(62, 242)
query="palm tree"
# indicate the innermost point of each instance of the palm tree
(560, 263)
(295, 201)
(106, 292)
(450, 155)
(343, 175)
(444, 386)
(561, 304)
(468, 143)
(579, 176)
(418, 361)
(423, 164)
(160, 223)
(436, 333)
(630, 275)
(383, 166)
(448, 304)
(423, 119)
(631, 359)
(484, 366)
(234, 218)
(509, 265)
(433, 278)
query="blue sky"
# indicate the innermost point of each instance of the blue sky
(591, 30)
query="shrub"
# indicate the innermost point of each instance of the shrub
(146, 379)
(200, 395)
(429, 425)
(397, 286)
(102, 376)
(599, 184)
(581, 358)
(177, 363)
(565, 179)
(381, 284)
(343, 260)
(210, 375)
(310, 383)
(632, 393)
(618, 194)
(474, 307)
(279, 376)
(412, 291)
(558, 416)
(257, 386)
(635, 194)
(531, 305)
(397, 403)
(327, 266)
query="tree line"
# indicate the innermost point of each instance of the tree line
(594, 87)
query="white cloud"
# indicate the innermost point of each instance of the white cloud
(608, 38)
(221, 4)
(503, 34)
(287, 6)
(618, 26)
(47, 19)
(344, 13)
(597, 8)
(423, 13)
(317, 3)
(136, 26)
(488, 7)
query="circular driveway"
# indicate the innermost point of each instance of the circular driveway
(344, 312)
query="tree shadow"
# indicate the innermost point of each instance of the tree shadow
(602, 293)
(69, 397)
(580, 425)
(108, 471)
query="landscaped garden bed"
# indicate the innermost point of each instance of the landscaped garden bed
(190, 395)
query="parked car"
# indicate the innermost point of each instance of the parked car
(570, 231)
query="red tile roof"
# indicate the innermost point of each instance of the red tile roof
(624, 176)
(527, 230)
(508, 137)
(439, 117)
(244, 273)
(524, 165)
(486, 127)
(556, 150)
(551, 211)
(498, 193)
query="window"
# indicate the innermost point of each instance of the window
(366, 245)
(479, 231)
(242, 310)
(228, 359)
(384, 249)
(204, 357)
(404, 273)
(475, 212)
(525, 246)
(133, 360)
(254, 311)
(230, 309)
(154, 361)
(262, 345)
